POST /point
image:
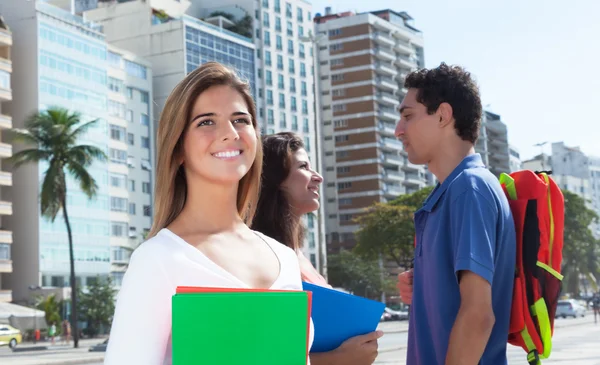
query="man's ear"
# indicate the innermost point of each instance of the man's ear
(446, 114)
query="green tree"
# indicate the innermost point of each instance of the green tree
(51, 136)
(51, 307)
(580, 250)
(242, 27)
(387, 229)
(360, 276)
(97, 305)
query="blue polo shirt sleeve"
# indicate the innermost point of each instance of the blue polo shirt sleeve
(473, 227)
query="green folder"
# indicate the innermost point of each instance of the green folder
(240, 327)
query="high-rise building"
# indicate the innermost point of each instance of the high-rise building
(363, 61)
(6, 238)
(131, 147)
(173, 42)
(267, 42)
(514, 159)
(493, 143)
(61, 62)
(285, 78)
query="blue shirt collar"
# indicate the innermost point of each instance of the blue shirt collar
(469, 162)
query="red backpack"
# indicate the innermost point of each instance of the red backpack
(537, 205)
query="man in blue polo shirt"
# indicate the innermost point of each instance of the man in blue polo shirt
(460, 289)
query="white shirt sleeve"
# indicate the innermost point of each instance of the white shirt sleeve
(141, 328)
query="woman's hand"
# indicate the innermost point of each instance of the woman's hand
(359, 350)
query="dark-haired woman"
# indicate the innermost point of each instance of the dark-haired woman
(289, 190)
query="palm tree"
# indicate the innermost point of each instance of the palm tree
(52, 135)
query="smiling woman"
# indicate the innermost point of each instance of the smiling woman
(208, 175)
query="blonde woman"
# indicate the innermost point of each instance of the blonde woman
(207, 182)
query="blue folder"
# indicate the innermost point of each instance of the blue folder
(338, 316)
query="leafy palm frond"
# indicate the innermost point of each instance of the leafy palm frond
(82, 129)
(53, 190)
(86, 154)
(86, 181)
(22, 136)
(29, 156)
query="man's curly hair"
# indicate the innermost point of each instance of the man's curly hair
(452, 85)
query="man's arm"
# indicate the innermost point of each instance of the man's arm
(474, 322)
(474, 240)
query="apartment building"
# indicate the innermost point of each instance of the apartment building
(131, 143)
(514, 159)
(285, 78)
(6, 238)
(493, 143)
(62, 62)
(173, 42)
(363, 61)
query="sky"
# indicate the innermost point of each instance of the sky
(537, 62)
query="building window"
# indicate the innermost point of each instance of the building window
(118, 204)
(277, 6)
(294, 122)
(290, 29)
(278, 24)
(146, 187)
(279, 62)
(117, 180)
(293, 105)
(339, 108)
(337, 62)
(335, 32)
(118, 229)
(281, 100)
(116, 85)
(132, 185)
(302, 69)
(132, 208)
(305, 127)
(145, 142)
(118, 156)
(269, 78)
(144, 119)
(341, 154)
(336, 47)
(307, 144)
(288, 10)
(117, 133)
(292, 84)
(135, 69)
(279, 43)
(343, 170)
(291, 47)
(266, 19)
(147, 211)
(267, 40)
(116, 109)
(268, 58)
(269, 97)
(282, 121)
(280, 82)
(303, 88)
(341, 123)
(291, 66)
(304, 107)
(337, 77)
(130, 139)
(129, 115)
(270, 117)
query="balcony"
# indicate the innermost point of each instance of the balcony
(5, 65)
(388, 114)
(5, 37)
(410, 167)
(391, 144)
(386, 83)
(401, 76)
(5, 267)
(391, 159)
(5, 179)
(385, 54)
(391, 175)
(413, 181)
(385, 69)
(383, 39)
(404, 48)
(406, 63)
(390, 190)
(388, 99)
(5, 94)
(5, 208)
(5, 150)
(5, 296)
(5, 121)
(6, 237)
(387, 129)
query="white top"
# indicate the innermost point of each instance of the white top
(141, 329)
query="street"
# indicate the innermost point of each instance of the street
(575, 341)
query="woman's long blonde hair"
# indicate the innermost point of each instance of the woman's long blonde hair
(171, 188)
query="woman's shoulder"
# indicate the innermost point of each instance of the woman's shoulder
(283, 251)
(161, 245)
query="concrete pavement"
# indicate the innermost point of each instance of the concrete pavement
(575, 341)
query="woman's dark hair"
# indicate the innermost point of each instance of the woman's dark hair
(452, 85)
(274, 216)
